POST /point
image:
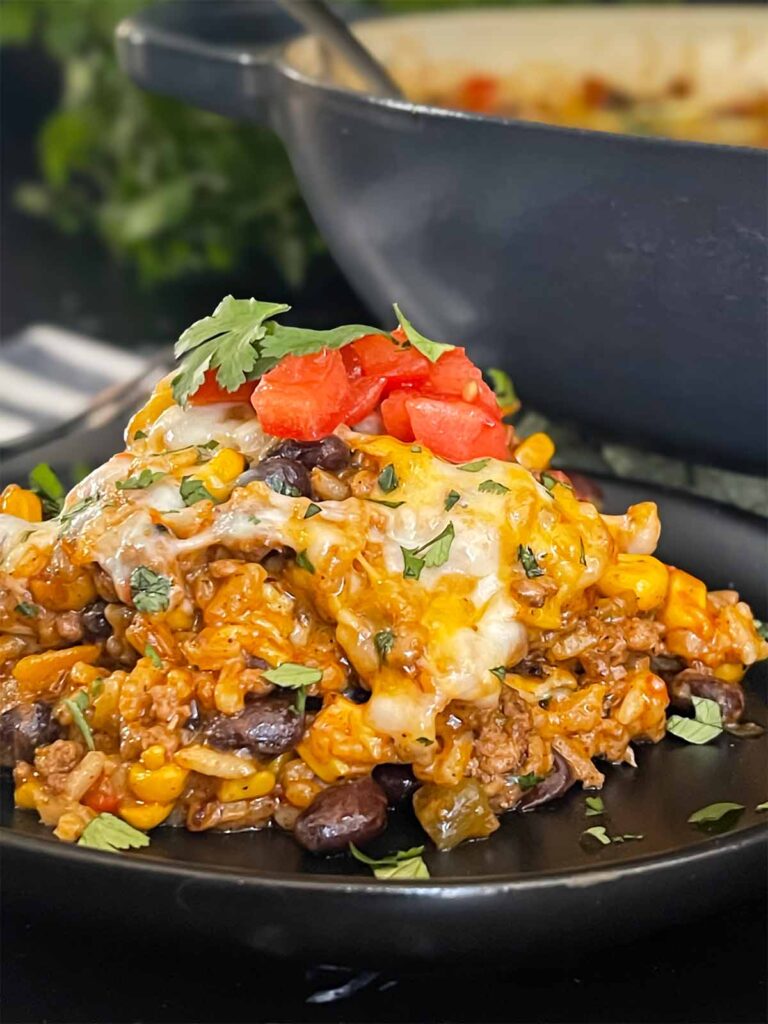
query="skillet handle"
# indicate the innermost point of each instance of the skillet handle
(215, 56)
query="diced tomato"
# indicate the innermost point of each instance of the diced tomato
(352, 363)
(211, 391)
(456, 429)
(363, 399)
(304, 397)
(101, 796)
(395, 415)
(380, 357)
(455, 374)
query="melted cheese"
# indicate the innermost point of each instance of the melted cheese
(464, 613)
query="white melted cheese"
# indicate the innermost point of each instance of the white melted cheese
(231, 425)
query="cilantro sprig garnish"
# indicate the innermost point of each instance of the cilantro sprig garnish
(77, 706)
(241, 340)
(140, 481)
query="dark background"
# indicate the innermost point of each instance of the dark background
(58, 970)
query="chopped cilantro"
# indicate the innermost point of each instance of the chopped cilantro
(450, 500)
(595, 806)
(706, 725)
(430, 555)
(474, 467)
(528, 561)
(384, 641)
(154, 657)
(30, 611)
(150, 590)
(193, 490)
(48, 487)
(403, 864)
(312, 510)
(77, 706)
(139, 482)
(303, 561)
(107, 832)
(388, 479)
(493, 487)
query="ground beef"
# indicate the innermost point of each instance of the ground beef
(501, 742)
(55, 762)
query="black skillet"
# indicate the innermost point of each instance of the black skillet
(621, 278)
(534, 891)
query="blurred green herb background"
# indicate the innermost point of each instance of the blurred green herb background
(170, 191)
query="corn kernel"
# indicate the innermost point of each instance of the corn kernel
(160, 400)
(25, 794)
(223, 469)
(161, 785)
(730, 672)
(535, 452)
(329, 769)
(144, 816)
(645, 576)
(22, 503)
(37, 672)
(686, 604)
(83, 674)
(153, 757)
(258, 784)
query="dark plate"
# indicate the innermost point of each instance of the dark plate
(535, 888)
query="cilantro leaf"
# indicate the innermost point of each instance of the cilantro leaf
(282, 341)
(225, 341)
(713, 812)
(65, 518)
(303, 561)
(106, 832)
(388, 479)
(30, 611)
(595, 806)
(430, 555)
(474, 467)
(599, 833)
(292, 676)
(493, 487)
(500, 672)
(44, 482)
(504, 390)
(403, 864)
(387, 504)
(77, 706)
(450, 500)
(431, 349)
(276, 482)
(150, 590)
(763, 806)
(193, 490)
(384, 641)
(139, 482)
(528, 781)
(154, 657)
(528, 561)
(706, 725)
(761, 628)
(312, 510)
(140, 435)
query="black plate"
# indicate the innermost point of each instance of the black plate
(535, 887)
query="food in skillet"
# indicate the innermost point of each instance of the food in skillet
(677, 110)
(323, 577)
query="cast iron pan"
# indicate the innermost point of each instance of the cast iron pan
(533, 892)
(630, 270)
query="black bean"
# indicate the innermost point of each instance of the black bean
(351, 812)
(254, 661)
(666, 666)
(286, 476)
(397, 781)
(95, 624)
(690, 683)
(329, 453)
(268, 726)
(24, 728)
(558, 782)
(357, 694)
